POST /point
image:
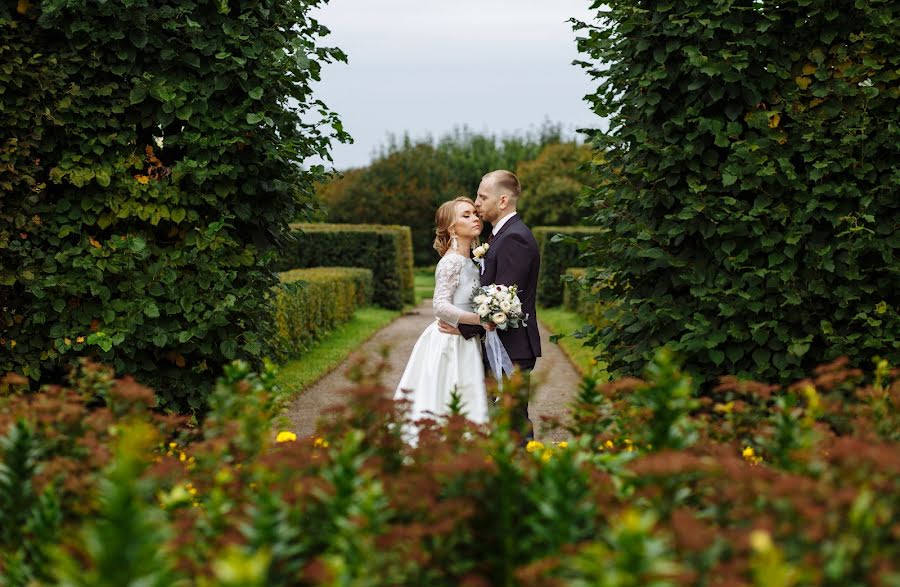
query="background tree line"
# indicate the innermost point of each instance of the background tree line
(408, 179)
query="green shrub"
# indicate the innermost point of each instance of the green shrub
(655, 486)
(749, 183)
(386, 250)
(311, 302)
(557, 253)
(151, 161)
(579, 296)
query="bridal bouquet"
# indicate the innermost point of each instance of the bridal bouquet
(498, 305)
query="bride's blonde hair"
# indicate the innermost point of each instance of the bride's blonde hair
(444, 219)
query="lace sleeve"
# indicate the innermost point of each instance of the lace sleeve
(446, 280)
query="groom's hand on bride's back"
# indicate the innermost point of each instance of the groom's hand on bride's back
(447, 328)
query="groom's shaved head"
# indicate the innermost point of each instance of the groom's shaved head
(503, 182)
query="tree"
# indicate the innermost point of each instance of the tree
(552, 185)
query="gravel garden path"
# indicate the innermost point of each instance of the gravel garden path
(554, 383)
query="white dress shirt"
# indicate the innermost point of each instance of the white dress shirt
(501, 223)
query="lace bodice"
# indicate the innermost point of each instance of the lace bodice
(455, 278)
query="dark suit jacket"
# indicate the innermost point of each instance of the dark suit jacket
(514, 258)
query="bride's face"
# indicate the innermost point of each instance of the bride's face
(467, 224)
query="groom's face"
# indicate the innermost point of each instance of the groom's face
(488, 203)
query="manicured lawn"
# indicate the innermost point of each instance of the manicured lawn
(562, 321)
(295, 376)
(424, 283)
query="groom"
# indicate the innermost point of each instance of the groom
(512, 258)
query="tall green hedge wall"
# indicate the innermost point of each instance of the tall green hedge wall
(386, 250)
(149, 164)
(557, 254)
(750, 184)
(311, 302)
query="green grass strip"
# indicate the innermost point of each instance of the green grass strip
(566, 322)
(298, 374)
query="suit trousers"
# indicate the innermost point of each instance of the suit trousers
(519, 419)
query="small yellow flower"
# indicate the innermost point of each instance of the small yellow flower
(12, 344)
(285, 436)
(80, 339)
(545, 456)
(142, 179)
(68, 341)
(173, 444)
(182, 457)
(609, 444)
(760, 541)
(724, 408)
(320, 442)
(563, 444)
(534, 445)
(748, 452)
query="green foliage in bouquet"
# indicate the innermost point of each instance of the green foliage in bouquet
(748, 182)
(312, 302)
(151, 161)
(385, 250)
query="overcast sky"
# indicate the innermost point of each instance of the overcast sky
(424, 67)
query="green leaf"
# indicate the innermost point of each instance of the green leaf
(137, 95)
(255, 117)
(256, 93)
(151, 310)
(228, 348)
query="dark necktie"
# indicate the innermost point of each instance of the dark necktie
(490, 237)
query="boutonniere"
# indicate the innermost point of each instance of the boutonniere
(478, 255)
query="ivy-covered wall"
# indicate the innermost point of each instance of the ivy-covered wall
(149, 165)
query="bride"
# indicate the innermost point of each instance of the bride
(441, 363)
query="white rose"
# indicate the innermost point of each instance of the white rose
(479, 299)
(483, 310)
(498, 318)
(479, 252)
(505, 306)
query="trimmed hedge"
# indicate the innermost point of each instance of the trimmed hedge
(556, 256)
(312, 302)
(578, 298)
(150, 161)
(749, 184)
(386, 250)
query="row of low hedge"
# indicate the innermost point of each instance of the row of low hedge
(385, 250)
(311, 302)
(657, 486)
(557, 254)
(578, 298)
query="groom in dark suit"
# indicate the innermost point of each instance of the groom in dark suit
(512, 258)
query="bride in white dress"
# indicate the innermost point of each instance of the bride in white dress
(441, 363)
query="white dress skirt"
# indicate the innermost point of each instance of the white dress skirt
(441, 363)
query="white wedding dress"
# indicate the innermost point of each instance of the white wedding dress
(440, 362)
